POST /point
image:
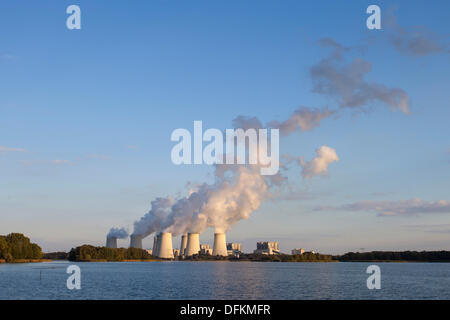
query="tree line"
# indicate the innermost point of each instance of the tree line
(91, 253)
(305, 257)
(15, 246)
(419, 256)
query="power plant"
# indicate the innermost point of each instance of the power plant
(165, 250)
(111, 242)
(136, 241)
(220, 245)
(193, 244)
(190, 246)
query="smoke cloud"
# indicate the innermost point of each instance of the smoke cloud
(119, 233)
(236, 193)
(346, 83)
(302, 119)
(239, 190)
(152, 220)
(414, 41)
(319, 165)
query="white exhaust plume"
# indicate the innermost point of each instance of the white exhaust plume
(220, 245)
(111, 242)
(193, 244)
(237, 192)
(136, 241)
(165, 249)
(183, 244)
(151, 221)
(319, 165)
(302, 119)
(118, 233)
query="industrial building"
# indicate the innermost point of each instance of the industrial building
(205, 249)
(234, 246)
(190, 245)
(267, 247)
(234, 249)
(298, 251)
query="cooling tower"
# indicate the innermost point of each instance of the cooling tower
(155, 246)
(193, 244)
(136, 241)
(220, 245)
(158, 244)
(111, 242)
(183, 244)
(165, 250)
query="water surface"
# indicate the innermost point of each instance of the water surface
(224, 280)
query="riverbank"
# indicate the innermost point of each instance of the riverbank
(105, 260)
(26, 261)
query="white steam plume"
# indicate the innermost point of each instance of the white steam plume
(236, 193)
(152, 220)
(319, 165)
(119, 233)
(302, 119)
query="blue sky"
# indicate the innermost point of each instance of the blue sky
(86, 117)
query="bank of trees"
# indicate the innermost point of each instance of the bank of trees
(305, 257)
(59, 255)
(15, 246)
(419, 256)
(91, 253)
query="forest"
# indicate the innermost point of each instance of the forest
(412, 256)
(91, 253)
(16, 247)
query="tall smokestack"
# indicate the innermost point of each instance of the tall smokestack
(193, 244)
(183, 244)
(165, 249)
(136, 241)
(220, 245)
(111, 242)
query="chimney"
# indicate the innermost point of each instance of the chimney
(136, 241)
(193, 244)
(165, 250)
(183, 244)
(111, 242)
(220, 245)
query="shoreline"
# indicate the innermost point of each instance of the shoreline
(2, 261)
(26, 261)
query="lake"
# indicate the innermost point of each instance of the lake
(224, 280)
